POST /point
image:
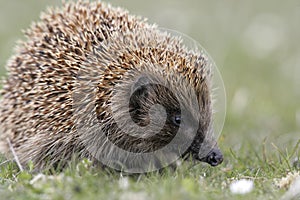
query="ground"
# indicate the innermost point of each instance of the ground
(256, 48)
(188, 182)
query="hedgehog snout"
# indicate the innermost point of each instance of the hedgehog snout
(214, 157)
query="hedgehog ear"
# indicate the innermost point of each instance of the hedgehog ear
(141, 85)
(139, 92)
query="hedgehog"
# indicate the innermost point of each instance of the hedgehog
(94, 81)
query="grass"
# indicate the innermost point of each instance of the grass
(82, 180)
(256, 46)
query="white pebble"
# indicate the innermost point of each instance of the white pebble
(242, 186)
(124, 183)
(294, 191)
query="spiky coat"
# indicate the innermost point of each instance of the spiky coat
(37, 106)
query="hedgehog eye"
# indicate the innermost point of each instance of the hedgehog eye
(177, 120)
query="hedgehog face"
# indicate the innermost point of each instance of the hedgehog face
(194, 124)
(141, 103)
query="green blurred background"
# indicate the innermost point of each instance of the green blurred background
(255, 45)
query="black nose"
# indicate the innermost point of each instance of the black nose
(214, 157)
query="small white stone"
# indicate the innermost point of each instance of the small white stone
(124, 183)
(242, 186)
(294, 190)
